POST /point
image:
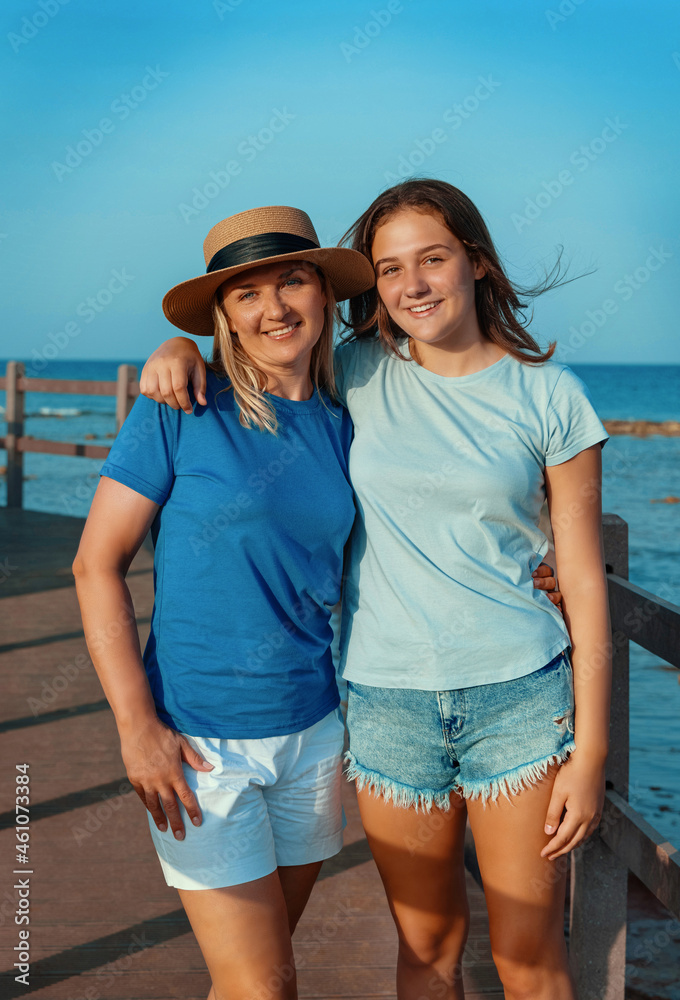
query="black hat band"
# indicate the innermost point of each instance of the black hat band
(253, 248)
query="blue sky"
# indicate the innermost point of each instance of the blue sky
(557, 118)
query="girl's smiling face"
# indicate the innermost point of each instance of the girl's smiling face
(426, 279)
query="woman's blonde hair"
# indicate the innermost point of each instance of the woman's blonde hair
(249, 382)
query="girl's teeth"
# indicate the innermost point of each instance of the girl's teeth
(420, 309)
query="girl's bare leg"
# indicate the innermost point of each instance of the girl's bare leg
(524, 894)
(420, 859)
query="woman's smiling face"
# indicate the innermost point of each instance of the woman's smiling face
(426, 279)
(277, 311)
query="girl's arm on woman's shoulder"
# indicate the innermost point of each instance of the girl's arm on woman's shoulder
(169, 371)
(574, 490)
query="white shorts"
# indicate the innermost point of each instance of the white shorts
(267, 802)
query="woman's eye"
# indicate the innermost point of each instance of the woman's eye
(246, 296)
(294, 281)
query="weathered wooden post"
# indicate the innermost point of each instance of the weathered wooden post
(124, 401)
(14, 413)
(599, 881)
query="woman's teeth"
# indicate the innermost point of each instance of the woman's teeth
(425, 308)
(275, 334)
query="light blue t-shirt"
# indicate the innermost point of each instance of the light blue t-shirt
(448, 475)
(248, 560)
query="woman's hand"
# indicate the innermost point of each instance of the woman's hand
(153, 758)
(168, 372)
(578, 792)
(544, 579)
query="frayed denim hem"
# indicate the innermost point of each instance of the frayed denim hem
(403, 796)
(515, 781)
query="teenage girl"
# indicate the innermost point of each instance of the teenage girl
(468, 693)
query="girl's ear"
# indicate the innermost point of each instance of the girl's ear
(478, 269)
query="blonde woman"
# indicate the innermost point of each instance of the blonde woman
(230, 718)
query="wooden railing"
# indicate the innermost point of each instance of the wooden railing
(16, 385)
(624, 842)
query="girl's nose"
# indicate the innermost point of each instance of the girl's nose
(415, 284)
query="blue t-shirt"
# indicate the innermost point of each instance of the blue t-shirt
(248, 561)
(449, 481)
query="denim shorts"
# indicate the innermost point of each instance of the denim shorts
(267, 802)
(415, 747)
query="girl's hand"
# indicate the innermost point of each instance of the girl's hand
(153, 760)
(544, 579)
(578, 792)
(170, 369)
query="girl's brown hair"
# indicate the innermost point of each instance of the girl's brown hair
(499, 305)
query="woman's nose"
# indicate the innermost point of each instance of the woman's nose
(275, 306)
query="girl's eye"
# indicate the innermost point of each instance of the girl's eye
(389, 270)
(428, 259)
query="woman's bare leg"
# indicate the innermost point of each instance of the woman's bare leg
(243, 934)
(524, 894)
(297, 882)
(420, 859)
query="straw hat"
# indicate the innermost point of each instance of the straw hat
(261, 236)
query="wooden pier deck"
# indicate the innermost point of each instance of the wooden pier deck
(103, 924)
